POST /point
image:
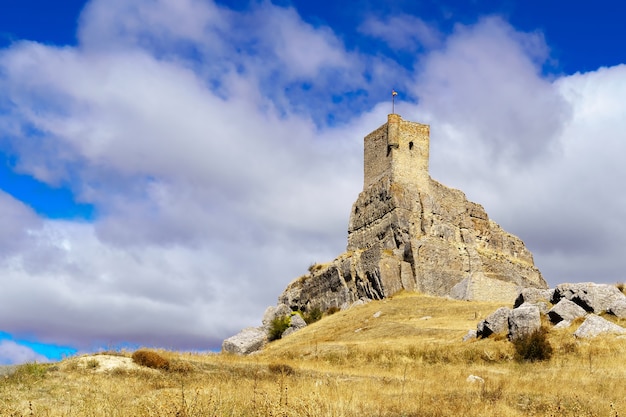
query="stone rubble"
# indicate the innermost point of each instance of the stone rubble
(568, 302)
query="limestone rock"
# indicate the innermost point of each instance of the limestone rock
(471, 335)
(594, 298)
(297, 322)
(272, 312)
(565, 310)
(596, 325)
(533, 296)
(563, 324)
(497, 322)
(543, 306)
(245, 342)
(288, 331)
(475, 379)
(618, 309)
(409, 232)
(524, 321)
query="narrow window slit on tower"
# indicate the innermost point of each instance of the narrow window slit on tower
(410, 145)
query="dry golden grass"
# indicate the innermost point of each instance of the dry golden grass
(409, 361)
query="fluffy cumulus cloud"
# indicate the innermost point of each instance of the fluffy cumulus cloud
(210, 195)
(221, 162)
(14, 353)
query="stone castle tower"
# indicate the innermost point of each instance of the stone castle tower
(409, 232)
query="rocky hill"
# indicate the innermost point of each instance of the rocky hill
(409, 232)
(406, 232)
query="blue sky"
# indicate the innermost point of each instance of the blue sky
(168, 166)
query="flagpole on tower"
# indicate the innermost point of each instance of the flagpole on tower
(393, 101)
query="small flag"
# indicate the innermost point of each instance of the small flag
(394, 93)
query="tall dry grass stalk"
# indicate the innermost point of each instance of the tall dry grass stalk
(409, 361)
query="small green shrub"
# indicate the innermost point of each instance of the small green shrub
(278, 327)
(150, 359)
(533, 347)
(312, 315)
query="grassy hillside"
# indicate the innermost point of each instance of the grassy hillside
(398, 357)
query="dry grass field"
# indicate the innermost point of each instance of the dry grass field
(407, 361)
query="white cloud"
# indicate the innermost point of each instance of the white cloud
(403, 32)
(17, 221)
(14, 353)
(486, 82)
(209, 203)
(542, 155)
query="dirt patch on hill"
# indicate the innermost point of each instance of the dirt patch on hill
(105, 363)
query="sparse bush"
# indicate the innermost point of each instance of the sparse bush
(31, 370)
(150, 359)
(568, 347)
(278, 327)
(313, 315)
(181, 367)
(533, 347)
(332, 310)
(92, 364)
(280, 368)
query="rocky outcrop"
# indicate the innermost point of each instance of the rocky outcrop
(245, 342)
(566, 310)
(523, 321)
(252, 339)
(618, 309)
(496, 322)
(535, 296)
(409, 232)
(572, 301)
(595, 325)
(594, 298)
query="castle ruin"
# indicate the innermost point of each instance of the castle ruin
(409, 232)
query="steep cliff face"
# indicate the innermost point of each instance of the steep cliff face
(407, 231)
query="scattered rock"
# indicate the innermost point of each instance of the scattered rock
(523, 321)
(563, 324)
(471, 335)
(360, 302)
(245, 342)
(572, 301)
(497, 322)
(594, 298)
(297, 322)
(288, 331)
(272, 312)
(618, 309)
(534, 296)
(475, 379)
(377, 314)
(566, 310)
(596, 325)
